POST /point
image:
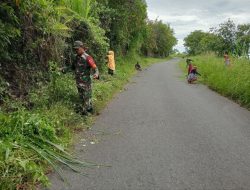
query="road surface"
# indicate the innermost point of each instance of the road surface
(164, 134)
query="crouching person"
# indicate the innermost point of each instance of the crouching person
(192, 76)
(138, 66)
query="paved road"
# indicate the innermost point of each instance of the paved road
(163, 134)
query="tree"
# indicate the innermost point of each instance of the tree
(227, 32)
(193, 42)
(164, 39)
(159, 39)
(211, 43)
(128, 24)
(149, 43)
(243, 39)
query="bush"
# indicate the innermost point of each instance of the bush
(31, 142)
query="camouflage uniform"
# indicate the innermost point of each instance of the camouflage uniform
(82, 66)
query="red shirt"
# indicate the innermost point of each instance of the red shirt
(91, 62)
(190, 67)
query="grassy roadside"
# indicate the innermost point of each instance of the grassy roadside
(35, 137)
(232, 82)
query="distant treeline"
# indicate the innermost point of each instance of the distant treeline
(228, 36)
(35, 34)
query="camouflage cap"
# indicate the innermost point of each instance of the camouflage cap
(77, 44)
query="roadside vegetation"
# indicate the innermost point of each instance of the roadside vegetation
(35, 141)
(206, 49)
(232, 82)
(38, 103)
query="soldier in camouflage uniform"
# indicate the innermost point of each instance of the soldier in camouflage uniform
(83, 65)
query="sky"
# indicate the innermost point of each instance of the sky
(187, 16)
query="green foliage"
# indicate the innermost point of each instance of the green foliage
(128, 24)
(243, 40)
(165, 39)
(61, 88)
(92, 36)
(81, 7)
(8, 28)
(84, 24)
(159, 39)
(29, 143)
(3, 90)
(194, 42)
(38, 37)
(19, 164)
(37, 32)
(105, 14)
(227, 31)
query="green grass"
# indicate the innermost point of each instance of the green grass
(232, 81)
(35, 135)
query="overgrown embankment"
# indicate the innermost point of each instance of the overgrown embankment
(34, 138)
(232, 81)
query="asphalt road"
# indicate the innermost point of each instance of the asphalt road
(164, 134)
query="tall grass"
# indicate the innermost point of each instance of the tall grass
(28, 143)
(232, 81)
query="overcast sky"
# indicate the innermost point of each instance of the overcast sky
(187, 16)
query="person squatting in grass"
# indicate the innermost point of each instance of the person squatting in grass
(226, 59)
(138, 66)
(83, 65)
(193, 75)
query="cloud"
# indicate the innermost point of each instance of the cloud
(187, 16)
(180, 46)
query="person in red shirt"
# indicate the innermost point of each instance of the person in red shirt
(189, 65)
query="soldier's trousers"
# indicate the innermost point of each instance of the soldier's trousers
(85, 93)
